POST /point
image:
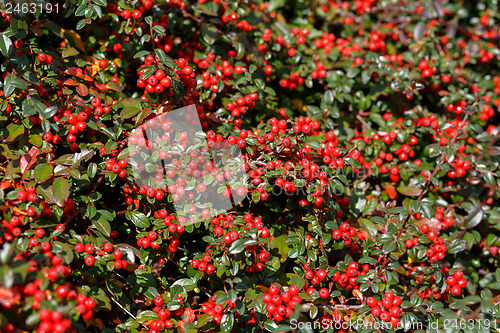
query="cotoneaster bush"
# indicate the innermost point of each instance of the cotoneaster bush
(369, 136)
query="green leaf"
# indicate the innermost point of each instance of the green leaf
(131, 107)
(14, 130)
(458, 245)
(474, 217)
(162, 56)
(60, 189)
(6, 45)
(209, 33)
(237, 246)
(203, 319)
(91, 170)
(103, 226)
(370, 206)
(418, 31)
(146, 315)
(43, 172)
(328, 97)
(64, 251)
(408, 190)
(139, 219)
(275, 4)
(11, 82)
(389, 246)
(368, 226)
(49, 112)
(82, 23)
(227, 322)
(256, 196)
(101, 3)
(476, 127)
(141, 53)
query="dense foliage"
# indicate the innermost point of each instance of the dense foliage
(368, 136)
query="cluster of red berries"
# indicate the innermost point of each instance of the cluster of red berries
(376, 42)
(85, 305)
(457, 107)
(223, 228)
(12, 227)
(307, 126)
(117, 167)
(45, 59)
(314, 277)
(387, 309)
(345, 232)
(409, 243)
(280, 305)
(35, 288)
(127, 13)
(386, 138)
(404, 152)
(242, 104)
(437, 250)
(90, 250)
(327, 43)
(393, 172)
(460, 165)
(57, 270)
(430, 121)
(347, 279)
(77, 124)
(210, 81)
(149, 240)
(425, 69)
(27, 193)
(175, 228)
(52, 321)
(295, 79)
(256, 222)
(301, 34)
(455, 283)
(155, 83)
(204, 264)
(320, 71)
(98, 108)
(160, 81)
(164, 315)
(446, 221)
(216, 310)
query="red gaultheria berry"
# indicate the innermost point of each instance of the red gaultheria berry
(89, 260)
(458, 275)
(324, 293)
(371, 302)
(455, 291)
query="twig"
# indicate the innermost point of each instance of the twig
(490, 144)
(124, 309)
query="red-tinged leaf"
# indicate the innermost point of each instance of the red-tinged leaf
(115, 85)
(5, 184)
(70, 82)
(82, 90)
(102, 87)
(391, 191)
(28, 159)
(75, 71)
(86, 77)
(77, 100)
